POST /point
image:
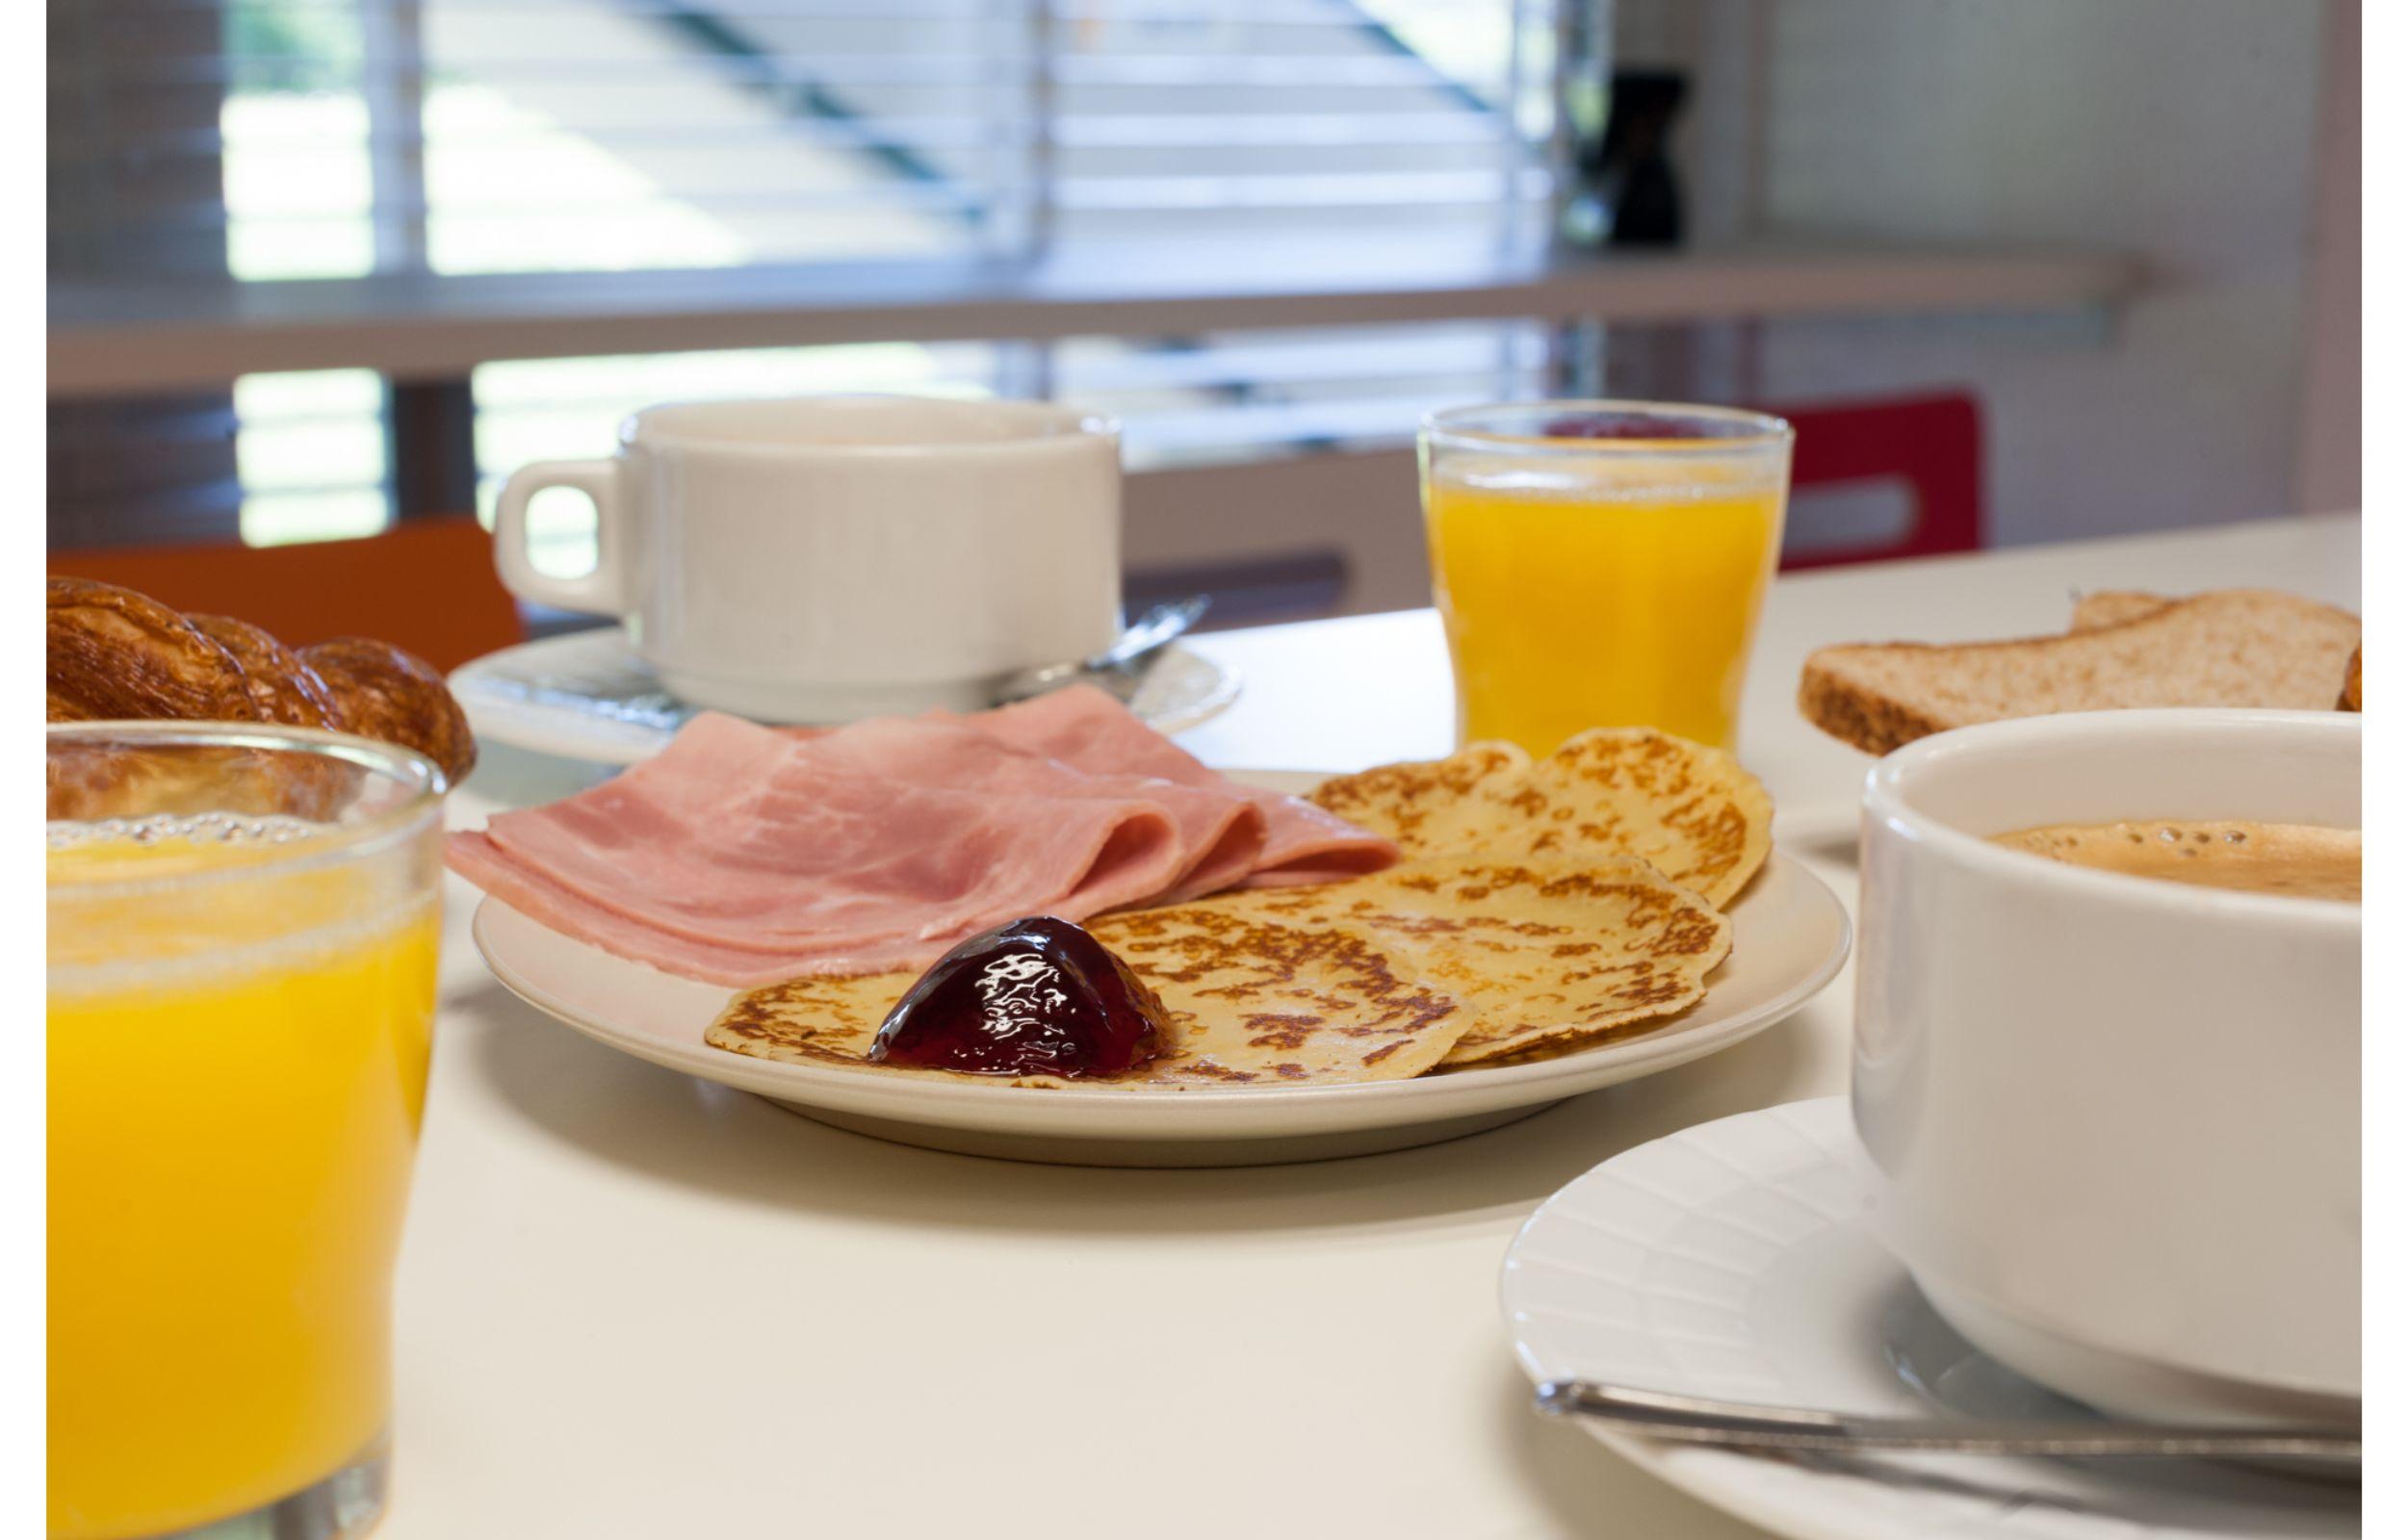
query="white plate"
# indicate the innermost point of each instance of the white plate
(1792, 937)
(587, 695)
(1736, 1260)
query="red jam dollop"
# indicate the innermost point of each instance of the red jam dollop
(1037, 996)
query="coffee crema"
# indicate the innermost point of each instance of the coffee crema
(2296, 861)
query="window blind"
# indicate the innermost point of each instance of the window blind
(456, 136)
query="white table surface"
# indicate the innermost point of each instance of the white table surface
(634, 1305)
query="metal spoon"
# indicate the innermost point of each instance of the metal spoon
(1119, 668)
(1737, 1425)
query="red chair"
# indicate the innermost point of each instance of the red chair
(1931, 444)
(426, 585)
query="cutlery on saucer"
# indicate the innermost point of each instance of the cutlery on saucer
(1119, 668)
(1738, 1424)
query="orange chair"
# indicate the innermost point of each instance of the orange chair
(426, 585)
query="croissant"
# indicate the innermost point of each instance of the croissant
(385, 693)
(282, 688)
(116, 655)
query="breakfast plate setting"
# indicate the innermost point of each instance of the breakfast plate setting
(1791, 937)
(1338, 964)
(893, 834)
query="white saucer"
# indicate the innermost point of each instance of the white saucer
(1792, 937)
(1736, 1260)
(586, 695)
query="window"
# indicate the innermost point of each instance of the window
(310, 451)
(469, 137)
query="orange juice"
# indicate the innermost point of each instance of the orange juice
(1614, 584)
(237, 1064)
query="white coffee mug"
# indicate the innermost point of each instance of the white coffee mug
(2114, 1119)
(825, 558)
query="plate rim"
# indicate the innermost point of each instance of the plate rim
(1665, 1460)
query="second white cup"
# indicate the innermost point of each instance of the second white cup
(2114, 1119)
(825, 558)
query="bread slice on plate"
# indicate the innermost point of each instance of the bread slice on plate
(2247, 647)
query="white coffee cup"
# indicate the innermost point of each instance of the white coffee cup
(825, 558)
(2116, 1119)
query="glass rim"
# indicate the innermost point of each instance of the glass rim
(422, 778)
(1451, 426)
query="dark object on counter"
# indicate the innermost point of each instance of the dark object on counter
(1628, 194)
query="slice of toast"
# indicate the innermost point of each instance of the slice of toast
(2248, 647)
(2112, 606)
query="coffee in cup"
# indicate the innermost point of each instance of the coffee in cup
(2303, 860)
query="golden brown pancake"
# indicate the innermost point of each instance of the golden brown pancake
(810, 1019)
(1250, 1000)
(1546, 953)
(1417, 803)
(1690, 812)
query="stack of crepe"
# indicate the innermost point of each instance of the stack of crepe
(1539, 909)
(1468, 911)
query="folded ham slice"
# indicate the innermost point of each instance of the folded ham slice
(1220, 829)
(741, 856)
(1085, 728)
(744, 855)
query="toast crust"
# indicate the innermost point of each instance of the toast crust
(1870, 722)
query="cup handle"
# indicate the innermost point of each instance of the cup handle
(603, 591)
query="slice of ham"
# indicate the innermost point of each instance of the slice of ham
(1084, 728)
(1220, 830)
(532, 894)
(743, 856)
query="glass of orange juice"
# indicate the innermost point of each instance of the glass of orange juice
(240, 968)
(1601, 563)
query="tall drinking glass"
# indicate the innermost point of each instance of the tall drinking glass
(1601, 563)
(242, 950)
